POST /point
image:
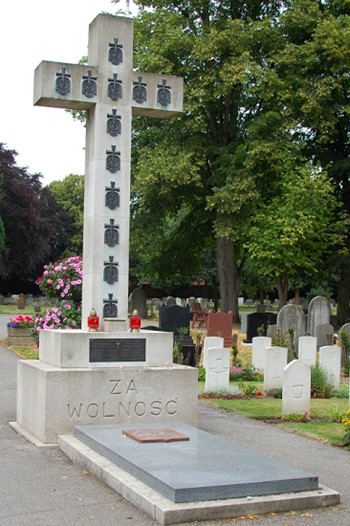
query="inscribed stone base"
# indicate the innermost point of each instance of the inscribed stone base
(52, 400)
(74, 348)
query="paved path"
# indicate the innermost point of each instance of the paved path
(42, 487)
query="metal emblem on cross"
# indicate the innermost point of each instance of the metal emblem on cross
(111, 92)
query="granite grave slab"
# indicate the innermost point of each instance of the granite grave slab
(184, 472)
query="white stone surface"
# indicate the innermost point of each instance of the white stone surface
(275, 362)
(330, 360)
(307, 350)
(217, 370)
(296, 391)
(52, 400)
(63, 348)
(104, 32)
(259, 345)
(210, 342)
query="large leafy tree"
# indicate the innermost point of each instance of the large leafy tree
(295, 229)
(210, 163)
(35, 229)
(313, 71)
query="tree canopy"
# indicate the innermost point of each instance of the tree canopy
(35, 229)
(265, 83)
(69, 194)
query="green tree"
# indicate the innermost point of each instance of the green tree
(221, 50)
(313, 72)
(69, 194)
(295, 229)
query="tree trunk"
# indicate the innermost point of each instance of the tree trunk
(282, 283)
(343, 310)
(228, 276)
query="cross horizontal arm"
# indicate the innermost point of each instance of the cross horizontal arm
(61, 85)
(79, 87)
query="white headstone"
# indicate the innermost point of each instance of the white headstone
(319, 313)
(307, 350)
(275, 362)
(330, 360)
(209, 343)
(296, 391)
(244, 322)
(217, 371)
(259, 345)
(111, 92)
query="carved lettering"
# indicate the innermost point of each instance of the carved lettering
(104, 412)
(140, 408)
(92, 410)
(74, 411)
(131, 387)
(115, 387)
(126, 410)
(123, 408)
(156, 408)
(167, 408)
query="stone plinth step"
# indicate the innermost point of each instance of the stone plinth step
(203, 478)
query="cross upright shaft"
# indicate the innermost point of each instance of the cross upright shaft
(111, 92)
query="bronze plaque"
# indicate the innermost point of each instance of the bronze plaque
(117, 350)
(163, 434)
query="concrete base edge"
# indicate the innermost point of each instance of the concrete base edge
(28, 436)
(165, 512)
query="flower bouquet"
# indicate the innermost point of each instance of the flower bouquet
(62, 279)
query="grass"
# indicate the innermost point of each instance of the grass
(322, 426)
(29, 353)
(12, 310)
(325, 432)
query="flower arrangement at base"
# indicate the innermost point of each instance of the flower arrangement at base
(62, 279)
(21, 322)
(66, 317)
(21, 330)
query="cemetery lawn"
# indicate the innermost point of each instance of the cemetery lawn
(323, 426)
(12, 310)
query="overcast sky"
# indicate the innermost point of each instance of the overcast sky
(47, 140)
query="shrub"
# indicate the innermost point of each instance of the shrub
(201, 374)
(66, 317)
(248, 374)
(62, 278)
(321, 384)
(248, 389)
(343, 391)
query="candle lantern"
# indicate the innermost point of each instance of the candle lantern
(135, 321)
(93, 320)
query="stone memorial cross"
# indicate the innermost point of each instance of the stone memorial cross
(111, 92)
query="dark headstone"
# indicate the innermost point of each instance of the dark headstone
(138, 302)
(256, 320)
(21, 302)
(173, 318)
